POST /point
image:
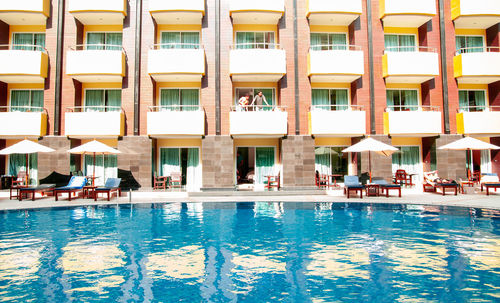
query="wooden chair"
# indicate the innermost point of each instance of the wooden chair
(402, 178)
(176, 180)
(474, 176)
(159, 182)
(19, 182)
(274, 182)
(321, 180)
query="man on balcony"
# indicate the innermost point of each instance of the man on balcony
(259, 100)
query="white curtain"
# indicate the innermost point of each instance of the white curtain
(99, 168)
(193, 178)
(264, 163)
(169, 161)
(485, 161)
(409, 160)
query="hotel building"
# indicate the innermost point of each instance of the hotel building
(161, 81)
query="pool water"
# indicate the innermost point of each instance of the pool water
(250, 252)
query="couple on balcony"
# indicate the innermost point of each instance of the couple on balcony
(256, 105)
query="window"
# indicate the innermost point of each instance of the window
(28, 41)
(179, 99)
(472, 100)
(17, 163)
(331, 161)
(26, 100)
(255, 40)
(330, 99)
(180, 40)
(104, 41)
(400, 43)
(325, 41)
(469, 44)
(268, 93)
(103, 100)
(106, 166)
(402, 100)
(184, 160)
(408, 159)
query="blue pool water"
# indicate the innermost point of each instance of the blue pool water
(250, 252)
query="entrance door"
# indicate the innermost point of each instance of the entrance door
(264, 164)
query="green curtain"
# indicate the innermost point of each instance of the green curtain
(244, 40)
(110, 167)
(322, 163)
(169, 99)
(320, 99)
(391, 43)
(114, 100)
(471, 101)
(170, 39)
(39, 39)
(190, 40)
(460, 42)
(269, 94)
(339, 41)
(264, 163)
(23, 41)
(339, 162)
(475, 43)
(463, 100)
(94, 100)
(36, 100)
(99, 168)
(113, 41)
(391, 95)
(169, 161)
(19, 100)
(407, 43)
(410, 99)
(339, 98)
(96, 41)
(190, 99)
(408, 159)
(193, 178)
(316, 41)
(17, 163)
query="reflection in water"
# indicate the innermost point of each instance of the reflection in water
(251, 252)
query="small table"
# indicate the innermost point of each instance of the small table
(372, 190)
(89, 191)
(463, 183)
(334, 179)
(270, 181)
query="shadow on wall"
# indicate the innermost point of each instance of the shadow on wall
(56, 178)
(128, 180)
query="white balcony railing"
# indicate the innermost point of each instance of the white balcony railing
(477, 65)
(94, 122)
(480, 14)
(96, 63)
(22, 122)
(406, 13)
(256, 11)
(98, 12)
(335, 63)
(263, 62)
(337, 120)
(25, 12)
(410, 64)
(272, 121)
(177, 12)
(23, 63)
(412, 120)
(333, 12)
(176, 121)
(479, 120)
(176, 62)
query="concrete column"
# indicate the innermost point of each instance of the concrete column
(136, 158)
(450, 163)
(218, 162)
(57, 161)
(298, 161)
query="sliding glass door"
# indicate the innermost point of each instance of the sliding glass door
(408, 159)
(17, 163)
(264, 164)
(183, 160)
(106, 166)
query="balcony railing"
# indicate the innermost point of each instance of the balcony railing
(94, 108)
(175, 45)
(335, 107)
(94, 122)
(176, 62)
(175, 108)
(478, 108)
(98, 47)
(96, 63)
(337, 120)
(326, 47)
(23, 121)
(25, 109)
(410, 49)
(171, 121)
(478, 120)
(421, 108)
(477, 65)
(23, 63)
(478, 49)
(410, 64)
(252, 62)
(258, 121)
(412, 120)
(258, 108)
(256, 45)
(24, 47)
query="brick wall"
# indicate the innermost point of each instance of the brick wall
(298, 161)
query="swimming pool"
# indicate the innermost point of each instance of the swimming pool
(250, 252)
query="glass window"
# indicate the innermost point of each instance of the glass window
(469, 44)
(472, 100)
(103, 100)
(402, 100)
(326, 41)
(255, 40)
(400, 43)
(106, 166)
(407, 159)
(268, 93)
(190, 40)
(331, 161)
(26, 100)
(104, 41)
(28, 41)
(330, 99)
(179, 99)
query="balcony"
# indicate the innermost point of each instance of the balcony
(406, 13)
(412, 66)
(333, 12)
(257, 64)
(405, 121)
(325, 122)
(15, 124)
(176, 121)
(172, 63)
(475, 13)
(479, 123)
(82, 124)
(25, 12)
(177, 12)
(98, 12)
(471, 66)
(271, 123)
(335, 65)
(23, 66)
(94, 65)
(256, 11)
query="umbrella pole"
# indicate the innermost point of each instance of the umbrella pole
(93, 172)
(27, 170)
(370, 165)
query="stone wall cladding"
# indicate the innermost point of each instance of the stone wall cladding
(136, 157)
(298, 161)
(450, 163)
(218, 162)
(57, 161)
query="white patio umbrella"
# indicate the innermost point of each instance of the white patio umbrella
(371, 145)
(26, 147)
(469, 144)
(92, 148)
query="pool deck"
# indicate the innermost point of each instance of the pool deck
(410, 196)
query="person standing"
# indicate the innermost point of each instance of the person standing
(243, 103)
(259, 100)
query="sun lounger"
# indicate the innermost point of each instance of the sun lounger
(489, 181)
(432, 182)
(351, 183)
(42, 188)
(386, 186)
(76, 184)
(111, 185)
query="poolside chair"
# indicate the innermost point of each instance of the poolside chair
(274, 182)
(111, 185)
(489, 181)
(42, 188)
(75, 185)
(351, 183)
(321, 180)
(176, 179)
(385, 186)
(18, 183)
(401, 177)
(160, 182)
(432, 182)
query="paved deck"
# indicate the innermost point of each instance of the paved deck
(410, 196)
